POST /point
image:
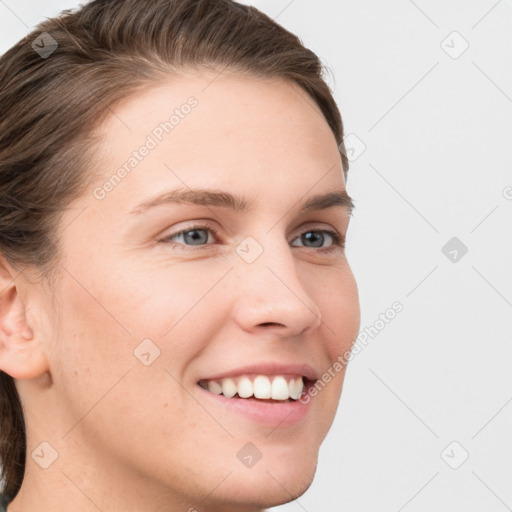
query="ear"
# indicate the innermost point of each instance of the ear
(22, 353)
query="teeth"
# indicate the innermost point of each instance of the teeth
(280, 389)
(245, 388)
(298, 388)
(214, 387)
(260, 386)
(290, 386)
(229, 388)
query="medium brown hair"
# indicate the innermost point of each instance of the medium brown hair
(103, 52)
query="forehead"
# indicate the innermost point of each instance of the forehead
(224, 130)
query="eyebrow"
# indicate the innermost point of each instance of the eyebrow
(220, 198)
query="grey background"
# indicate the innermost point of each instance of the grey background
(435, 123)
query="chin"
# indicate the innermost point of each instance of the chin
(277, 480)
(288, 485)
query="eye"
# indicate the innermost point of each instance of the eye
(198, 236)
(194, 235)
(317, 238)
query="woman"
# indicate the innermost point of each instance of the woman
(175, 296)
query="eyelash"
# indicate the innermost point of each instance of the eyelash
(338, 240)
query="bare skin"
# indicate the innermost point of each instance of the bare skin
(130, 436)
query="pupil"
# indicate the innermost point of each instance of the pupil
(196, 240)
(311, 235)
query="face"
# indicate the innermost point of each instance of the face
(159, 299)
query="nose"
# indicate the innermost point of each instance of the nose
(272, 296)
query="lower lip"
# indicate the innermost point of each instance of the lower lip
(276, 414)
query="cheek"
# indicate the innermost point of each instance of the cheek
(341, 316)
(338, 300)
(162, 299)
(111, 395)
(112, 322)
(137, 300)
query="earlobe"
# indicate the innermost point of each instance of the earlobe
(22, 360)
(21, 351)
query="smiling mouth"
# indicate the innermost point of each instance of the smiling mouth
(261, 388)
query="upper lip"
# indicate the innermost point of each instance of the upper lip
(268, 368)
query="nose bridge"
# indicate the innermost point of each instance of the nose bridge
(269, 289)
